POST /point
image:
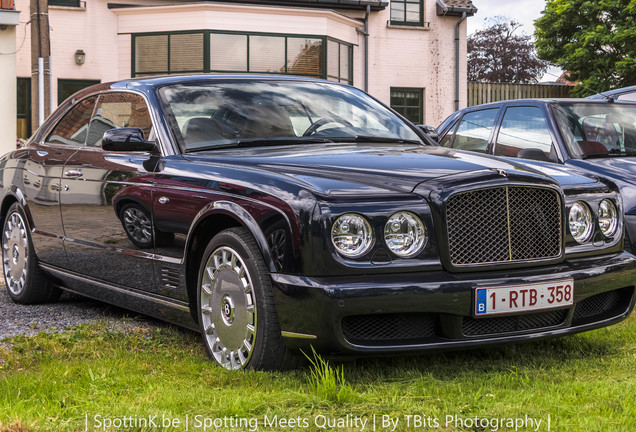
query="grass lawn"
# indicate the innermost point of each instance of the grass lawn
(133, 380)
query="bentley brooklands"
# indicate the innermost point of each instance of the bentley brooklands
(272, 214)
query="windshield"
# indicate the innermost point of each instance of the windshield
(597, 130)
(224, 114)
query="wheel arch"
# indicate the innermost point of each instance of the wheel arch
(210, 221)
(118, 203)
(15, 196)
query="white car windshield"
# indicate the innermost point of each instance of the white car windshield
(221, 114)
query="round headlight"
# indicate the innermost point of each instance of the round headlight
(352, 236)
(405, 234)
(607, 217)
(580, 222)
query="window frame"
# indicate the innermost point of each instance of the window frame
(489, 141)
(23, 84)
(50, 131)
(207, 56)
(420, 92)
(82, 82)
(66, 3)
(419, 23)
(502, 117)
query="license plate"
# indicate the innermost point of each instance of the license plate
(521, 298)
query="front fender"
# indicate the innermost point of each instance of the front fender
(242, 216)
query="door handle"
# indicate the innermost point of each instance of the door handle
(73, 173)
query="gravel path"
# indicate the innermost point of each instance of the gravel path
(70, 310)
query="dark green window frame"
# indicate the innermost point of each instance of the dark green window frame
(341, 46)
(402, 19)
(167, 70)
(67, 3)
(66, 87)
(24, 107)
(249, 35)
(400, 103)
(207, 61)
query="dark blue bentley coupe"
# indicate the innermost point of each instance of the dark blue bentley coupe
(273, 214)
(596, 135)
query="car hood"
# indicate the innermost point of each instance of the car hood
(336, 169)
(621, 170)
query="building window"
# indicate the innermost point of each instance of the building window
(161, 54)
(292, 55)
(409, 103)
(339, 62)
(407, 12)
(66, 87)
(67, 3)
(24, 108)
(211, 51)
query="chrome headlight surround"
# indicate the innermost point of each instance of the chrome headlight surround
(608, 217)
(581, 222)
(405, 234)
(352, 235)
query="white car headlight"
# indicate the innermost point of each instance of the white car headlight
(580, 222)
(352, 235)
(607, 217)
(405, 234)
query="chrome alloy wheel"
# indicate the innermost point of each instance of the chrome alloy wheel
(137, 225)
(228, 308)
(15, 252)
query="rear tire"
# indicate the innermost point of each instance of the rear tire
(235, 307)
(26, 283)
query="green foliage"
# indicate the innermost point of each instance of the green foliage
(593, 40)
(328, 382)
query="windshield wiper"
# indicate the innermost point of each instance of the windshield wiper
(376, 139)
(259, 142)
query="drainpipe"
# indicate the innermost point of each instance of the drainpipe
(51, 101)
(461, 20)
(40, 91)
(365, 32)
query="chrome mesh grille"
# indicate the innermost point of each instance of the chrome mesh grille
(504, 224)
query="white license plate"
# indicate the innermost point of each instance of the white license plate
(520, 298)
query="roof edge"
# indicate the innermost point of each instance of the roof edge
(443, 9)
(374, 5)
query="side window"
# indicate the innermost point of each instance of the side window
(523, 128)
(73, 127)
(116, 110)
(474, 130)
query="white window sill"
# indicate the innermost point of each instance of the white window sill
(425, 27)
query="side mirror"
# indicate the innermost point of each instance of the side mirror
(429, 131)
(127, 139)
(534, 154)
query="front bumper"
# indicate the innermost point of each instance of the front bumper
(434, 310)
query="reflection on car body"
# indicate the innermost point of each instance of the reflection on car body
(277, 213)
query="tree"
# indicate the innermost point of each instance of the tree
(497, 54)
(595, 41)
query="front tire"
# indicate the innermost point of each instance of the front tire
(26, 283)
(235, 307)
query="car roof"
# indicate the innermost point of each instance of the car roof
(615, 92)
(159, 81)
(546, 101)
(147, 84)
